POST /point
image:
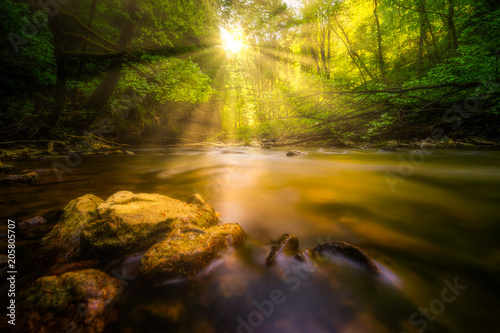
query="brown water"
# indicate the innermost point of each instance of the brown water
(440, 220)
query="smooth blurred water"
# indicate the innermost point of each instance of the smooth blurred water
(439, 220)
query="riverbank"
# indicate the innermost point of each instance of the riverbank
(61, 152)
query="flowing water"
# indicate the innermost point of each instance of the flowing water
(431, 219)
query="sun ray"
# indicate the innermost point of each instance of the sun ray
(232, 41)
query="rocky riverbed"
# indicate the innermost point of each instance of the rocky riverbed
(168, 240)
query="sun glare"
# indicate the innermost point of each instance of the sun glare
(233, 41)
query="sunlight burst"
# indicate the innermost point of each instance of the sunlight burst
(233, 41)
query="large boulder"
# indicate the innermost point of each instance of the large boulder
(75, 301)
(188, 250)
(64, 238)
(129, 222)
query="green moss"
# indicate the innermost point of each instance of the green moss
(131, 222)
(53, 302)
(186, 252)
(65, 236)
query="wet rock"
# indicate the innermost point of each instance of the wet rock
(75, 300)
(29, 178)
(65, 236)
(392, 143)
(388, 149)
(6, 168)
(54, 215)
(186, 252)
(425, 144)
(306, 255)
(128, 222)
(295, 153)
(33, 228)
(347, 251)
(38, 171)
(286, 245)
(367, 145)
(129, 153)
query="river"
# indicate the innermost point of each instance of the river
(431, 219)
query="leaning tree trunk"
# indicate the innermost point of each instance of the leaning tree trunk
(96, 102)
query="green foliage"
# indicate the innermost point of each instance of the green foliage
(33, 63)
(167, 79)
(245, 134)
(316, 70)
(378, 126)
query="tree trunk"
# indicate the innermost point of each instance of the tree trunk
(451, 26)
(434, 44)
(103, 92)
(354, 54)
(93, 10)
(423, 36)
(61, 73)
(329, 56)
(381, 61)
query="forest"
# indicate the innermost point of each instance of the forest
(297, 71)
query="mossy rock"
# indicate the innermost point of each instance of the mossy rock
(65, 236)
(75, 300)
(187, 251)
(129, 222)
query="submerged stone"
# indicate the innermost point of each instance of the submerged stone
(6, 168)
(188, 250)
(347, 251)
(29, 178)
(287, 245)
(388, 149)
(34, 227)
(75, 301)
